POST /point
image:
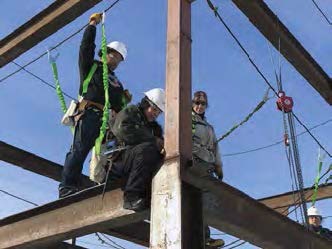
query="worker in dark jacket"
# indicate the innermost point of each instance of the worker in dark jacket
(206, 156)
(315, 223)
(92, 101)
(136, 128)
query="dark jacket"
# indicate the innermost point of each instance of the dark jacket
(95, 91)
(324, 232)
(205, 145)
(131, 127)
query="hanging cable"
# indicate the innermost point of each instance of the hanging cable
(19, 198)
(308, 131)
(42, 80)
(92, 244)
(232, 243)
(292, 176)
(275, 143)
(113, 245)
(285, 105)
(298, 165)
(321, 11)
(112, 241)
(56, 46)
(216, 13)
(256, 109)
(243, 242)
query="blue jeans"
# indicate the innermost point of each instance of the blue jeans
(86, 132)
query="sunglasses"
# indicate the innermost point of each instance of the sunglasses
(200, 103)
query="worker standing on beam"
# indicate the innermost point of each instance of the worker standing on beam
(315, 223)
(206, 154)
(136, 128)
(92, 101)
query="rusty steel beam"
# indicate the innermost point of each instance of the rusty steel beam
(75, 216)
(235, 213)
(272, 28)
(286, 200)
(41, 26)
(34, 163)
(44, 167)
(138, 233)
(176, 210)
(230, 211)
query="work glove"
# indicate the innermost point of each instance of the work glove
(128, 96)
(160, 143)
(97, 17)
(218, 172)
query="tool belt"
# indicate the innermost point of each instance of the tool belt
(85, 104)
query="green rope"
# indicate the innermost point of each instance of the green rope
(58, 87)
(314, 196)
(105, 117)
(257, 108)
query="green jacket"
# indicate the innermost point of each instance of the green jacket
(131, 127)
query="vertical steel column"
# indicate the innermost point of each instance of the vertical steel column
(176, 211)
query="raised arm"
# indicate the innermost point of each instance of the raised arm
(87, 47)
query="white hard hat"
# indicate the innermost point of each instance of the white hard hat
(119, 47)
(313, 211)
(157, 97)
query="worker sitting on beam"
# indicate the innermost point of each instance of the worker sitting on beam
(136, 128)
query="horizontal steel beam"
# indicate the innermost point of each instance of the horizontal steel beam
(138, 233)
(228, 210)
(78, 215)
(34, 163)
(287, 199)
(42, 25)
(272, 28)
(44, 167)
(141, 236)
(235, 213)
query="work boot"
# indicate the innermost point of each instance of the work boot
(214, 243)
(134, 203)
(66, 191)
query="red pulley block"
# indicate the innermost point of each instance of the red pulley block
(284, 103)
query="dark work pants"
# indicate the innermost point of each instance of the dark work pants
(204, 170)
(86, 132)
(138, 165)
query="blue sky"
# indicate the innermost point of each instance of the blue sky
(31, 115)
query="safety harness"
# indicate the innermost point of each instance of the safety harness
(83, 104)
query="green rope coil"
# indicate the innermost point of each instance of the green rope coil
(58, 87)
(105, 117)
(314, 196)
(257, 108)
